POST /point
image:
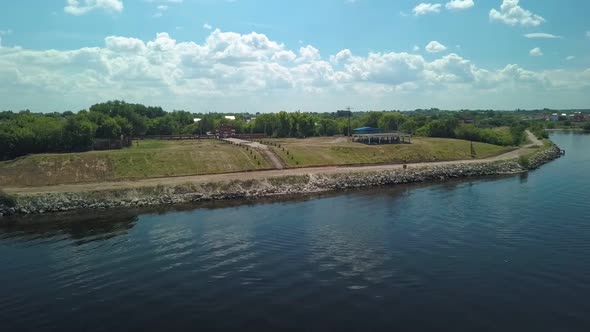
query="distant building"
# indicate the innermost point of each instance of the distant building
(230, 117)
(579, 117)
(225, 131)
(468, 120)
(554, 117)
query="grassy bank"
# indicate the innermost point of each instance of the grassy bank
(340, 151)
(146, 159)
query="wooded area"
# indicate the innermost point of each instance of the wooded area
(26, 132)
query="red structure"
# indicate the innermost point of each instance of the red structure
(225, 131)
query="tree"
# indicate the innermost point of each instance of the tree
(409, 126)
(390, 121)
(78, 134)
(371, 119)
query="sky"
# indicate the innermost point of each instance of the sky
(308, 55)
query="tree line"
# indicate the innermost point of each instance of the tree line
(26, 132)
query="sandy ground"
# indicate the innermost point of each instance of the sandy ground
(534, 140)
(259, 175)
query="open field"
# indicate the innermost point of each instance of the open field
(148, 159)
(339, 151)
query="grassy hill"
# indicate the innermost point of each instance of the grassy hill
(340, 151)
(146, 159)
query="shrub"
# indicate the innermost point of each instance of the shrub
(524, 161)
(6, 199)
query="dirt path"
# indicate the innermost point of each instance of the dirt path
(275, 160)
(257, 175)
(534, 140)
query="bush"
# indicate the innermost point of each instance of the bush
(7, 200)
(524, 162)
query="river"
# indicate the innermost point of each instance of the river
(502, 254)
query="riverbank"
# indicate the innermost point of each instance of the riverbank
(264, 183)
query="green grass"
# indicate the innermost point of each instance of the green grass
(145, 159)
(339, 151)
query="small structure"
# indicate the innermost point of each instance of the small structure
(383, 138)
(579, 117)
(225, 131)
(365, 130)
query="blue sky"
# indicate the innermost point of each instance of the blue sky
(247, 55)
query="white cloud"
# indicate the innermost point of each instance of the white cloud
(541, 35)
(459, 4)
(229, 68)
(309, 53)
(569, 58)
(536, 52)
(207, 26)
(427, 8)
(452, 68)
(435, 47)
(588, 34)
(162, 6)
(81, 7)
(341, 56)
(416, 48)
(512, 14)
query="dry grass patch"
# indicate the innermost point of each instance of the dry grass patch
(147, 159)
(336, 151)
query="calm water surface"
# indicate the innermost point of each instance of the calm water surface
(512, 254)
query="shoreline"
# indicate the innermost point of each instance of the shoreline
(299, 182)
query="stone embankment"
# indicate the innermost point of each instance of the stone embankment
(272, 186)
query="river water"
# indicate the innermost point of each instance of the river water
(503, 254)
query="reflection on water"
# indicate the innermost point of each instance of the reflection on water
(509, 253)
(80, 228)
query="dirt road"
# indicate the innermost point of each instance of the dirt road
(268, 152)
(534, 140)
(259, 175)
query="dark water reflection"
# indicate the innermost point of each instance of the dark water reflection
(508, 254)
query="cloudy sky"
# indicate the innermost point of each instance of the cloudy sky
(309, 55)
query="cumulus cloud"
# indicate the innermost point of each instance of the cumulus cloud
(207, 26)
(81, 7)
(541, 35)
(459, 4)
(435, 47)
(569, 58)
(228, 68)
(536, 52)
(309, 53)
(427, 8)
(511, 13)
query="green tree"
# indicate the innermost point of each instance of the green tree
(390, 121)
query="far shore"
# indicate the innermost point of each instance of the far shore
(567, 129)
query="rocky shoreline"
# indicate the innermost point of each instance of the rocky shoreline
(274, 186)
